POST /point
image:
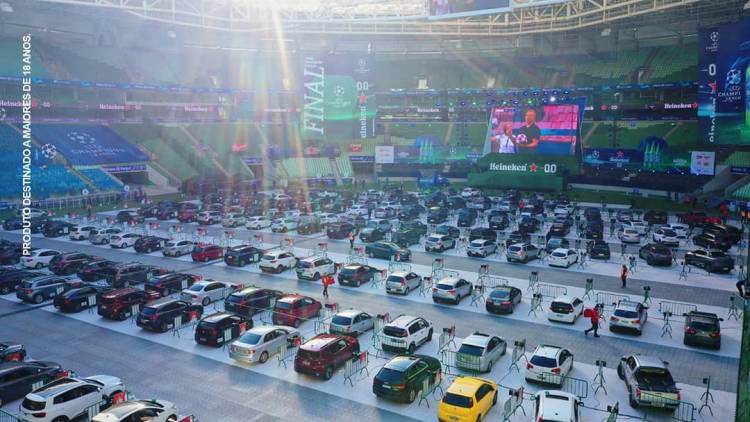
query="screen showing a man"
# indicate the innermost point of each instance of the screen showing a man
(549, 129)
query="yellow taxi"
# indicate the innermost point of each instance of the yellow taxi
(468, 399)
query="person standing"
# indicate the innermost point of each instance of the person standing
(624, 275)
(327, 279)
(742, 287)
(351, 241)
(594, 317)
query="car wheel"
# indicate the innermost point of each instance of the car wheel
(279, 269)
(263, 357)
(412, 396)
(633, 402)
(164, 292)
(38, 298)
(489, 366)
(172, 418)
(328, 374)
(163, 327)
(105, 242)
(38, 265)
(296, 322)
(410, 349)
(429, 335)
(494, 398)
(316, 276)
(620, 373)
(4, 290)
(205, 301)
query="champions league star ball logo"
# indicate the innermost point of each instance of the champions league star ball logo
(595, 154)
(49, 151)
(734, 77)
(714, 36)
(521, 139)
(338, 91)
(82, 138)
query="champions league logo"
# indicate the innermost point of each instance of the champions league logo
(339, 91)
(82, 138)
(521, 139)
(49, 151)
(734, 77)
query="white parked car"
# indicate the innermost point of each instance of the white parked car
(558, 406)
(357, 210)
(207, 291)
(260, 343)
(277, 261)
(257, 222)
(80, 232)
(562, 257)
(405, 334)
(123, 240)
(402, 282)
(628, 316)
(504, 205)
(639, 226)
(549, 364)
(315, 267)
(178, 247)
(151, 410)
(328, 218)
(629, 235)
(283, 225)
(384, 212)
(666, 237)
(39, 258)
(233, 220)
(680, 229)
(351, 322)
(469, 192)
(451, 289)
(481, 247)
(565, 309)
(209, 217)
(101, 236)
(67, 398)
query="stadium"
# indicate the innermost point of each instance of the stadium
(247, 210)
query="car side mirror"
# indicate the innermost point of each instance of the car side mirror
(721, 319)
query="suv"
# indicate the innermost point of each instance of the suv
(656, 254)
(437, 215)
(178, 247)
(406, 237)
(292, 309)
(403, 377)
(160, 315)
(559, 406)
(187, 215)
(549, 364)
(628, 315)
(233, 219)
(129, 217)
(340, 230)
(451, 289)
(241, 255)
(151, 410)
(250, 300)
(277, 261)
(124, 275)
(39, 289)
(481, 247)
(356, 274)
(565, 309)
(212, 330)
(165, 284)
(75, 300)
(702, 329)
(405, 334)
(68, 263)
(371, 234)
(439, 243)
(206, 218)
(11, 279)
(19, 378)
(257, 222)
(80, 232)
(118, 304)
(148, 244)
(528, 225)
(402, 282)
(205, 252)
(69, 398)
(499, 222)
(482, 233)
(712, 240)
(523, 252)
(101, 236)
(94, 270)
(598, 249)
(449, 231)
(322, 354)
(56, 228)
(466, 217)
(479, 351)
(314, 267)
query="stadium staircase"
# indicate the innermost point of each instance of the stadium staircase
(335, 168)
(196, 144)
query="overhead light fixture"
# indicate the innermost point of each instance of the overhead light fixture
(606, 32)
(8, 8)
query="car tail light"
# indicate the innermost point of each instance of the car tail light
(637, 321)
(39, 415)
(555, 370)
(489, 301)
(689, 330)
(215, 333)
(679, 397)
(62, 374)
(529, 366)
(194, 296)
(400, 386)
(715, 334)
(638, 392)
(614, 318)
(29, 291)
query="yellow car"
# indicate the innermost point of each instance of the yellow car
(468, 399)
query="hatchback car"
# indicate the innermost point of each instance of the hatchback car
(260, 343)
(403, 377)
(178, 247)
(481, 248)
(68, 398)
(549, 364)
(468, 399)
(120, 304)
(557, 406)
(323, 354)
(628, 316)
(479, 352)
(522, 252)
(562, 257)
(565, 309)
(702, 329)
(356, 274)
(294, 309)
(402, 282)
(206, 252)
(351, 322)
(439, 243)
(220, 328)
(503, 300)
(451, 289)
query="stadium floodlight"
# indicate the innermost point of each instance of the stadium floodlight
(6, 7)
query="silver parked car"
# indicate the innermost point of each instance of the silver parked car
(259, 343)
(101, 236)
(451, 289)
(351, 322)
(523, 252)
(439, 242)
(178, 247)
(402, 282)
(479, 351)
(481, 247)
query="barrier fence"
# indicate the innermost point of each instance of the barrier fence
(550, 290)
(429, 389)
(455, 363)
(676, 308)
(287, 353)
(513, 403)
(575, 386)
(356, 366)
(447, 338)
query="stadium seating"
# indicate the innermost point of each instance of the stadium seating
(738, 158)
(629, 134)
(11, 47)
(89, 144)
(345, 166)
(307, 168)
(101, 180)
(742, 193)
(672, 64)
(221, 137)
(66, 64)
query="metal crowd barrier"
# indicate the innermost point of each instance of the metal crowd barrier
(356, 366)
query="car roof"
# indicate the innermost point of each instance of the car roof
(562, 250)
(565, 299)
(291, 298)
(547, 351)
(126, 408)
(449, 280)
(627, 304)
(320, 341)
(349, 313)
(218, 316)
(399, 273)
(649, 361)
(57, 386)
(557, 404)
(402, 321)
(465, 386)
(402, 363)
(120, 292)
(477, 339)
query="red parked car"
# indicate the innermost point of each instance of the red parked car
(187, 215)
(697, 218)
(322, 354)
(293, 309)
(118, 304)
(205, 252)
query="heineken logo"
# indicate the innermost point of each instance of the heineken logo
(524, 168)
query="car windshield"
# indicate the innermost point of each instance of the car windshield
(624, 313)
(394, 279)
(250, 338)
(341, 320)
(304, 264)
(458, 400)
(559, 254)
(283, 305)
(269, 257)
(434, 239)
(442, 286)
(472, 350)
(561, 308)
(394, 331)
(515, 248)
(703, 325)
(345, 272)
(390, 375)
(196, 287)
(198, 249)
(33, 404)
(149, 310)
(500, 294)
(477, 244)
(542, 361)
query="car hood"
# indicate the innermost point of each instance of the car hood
(107, 380)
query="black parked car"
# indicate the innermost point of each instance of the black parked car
(730, 233)
(593, 230)
(95, 269)
(466, 217)
(655, 217)
(340, 230)
(456, 202)
(12, 352)
(11, 279)
(482, 233)
(167, 212)
(68, 263)
(416, 225)
(309, 227)
(18, 379)
(76, 300)
(36, 224)
(449, 231)
(250, 300)
(410, 212)
(517, 237)
(598, 249)
(148, 244)
(11, 254)
(168, 283)
(656, 254)
(712, 241)
(557, 230)
(405, 237)
(129, 216)
(239, 256)
(409, 373)
(437, 215)
(160, 315)
(369, 234)
(499, 222)
(710, 260)
(220, 328)
(56, 228)
(356, 274)
(528, 225)
(503, 300)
